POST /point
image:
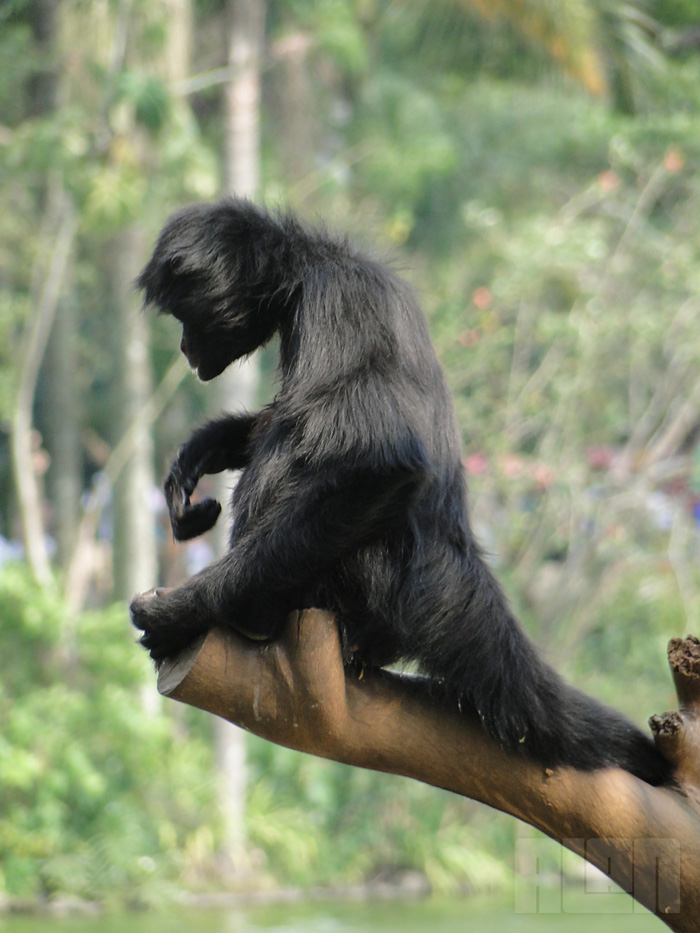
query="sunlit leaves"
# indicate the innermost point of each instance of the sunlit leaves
(114, 196)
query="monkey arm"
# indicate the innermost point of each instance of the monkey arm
(220, 444)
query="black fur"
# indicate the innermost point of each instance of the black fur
(352, 496)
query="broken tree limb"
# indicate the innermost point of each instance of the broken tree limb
(296, 692)
(677, 734)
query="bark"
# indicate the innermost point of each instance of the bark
(296, 692)
(678, 733)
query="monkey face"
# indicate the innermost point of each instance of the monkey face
(207, 356)
(206, 271)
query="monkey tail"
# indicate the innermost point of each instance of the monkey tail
(525, 705)
(528, 707)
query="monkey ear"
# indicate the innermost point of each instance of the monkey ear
(176, 262)
(184, 262)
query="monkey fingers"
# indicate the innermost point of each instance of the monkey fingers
(194, 519)
(188, 520)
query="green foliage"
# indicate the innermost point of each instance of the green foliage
(97, 796)
(675, 12)
(18, 59)
(337, 30)
(408, 142)
(284, 831)
(331, 823)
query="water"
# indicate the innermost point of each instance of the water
(395, 916)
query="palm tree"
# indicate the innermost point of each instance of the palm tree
(603, 44)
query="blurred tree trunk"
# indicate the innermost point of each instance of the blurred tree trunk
(135, 562)
(246, 21)
(236, 387)
(135, 556)
(296, 128)
(62, 407)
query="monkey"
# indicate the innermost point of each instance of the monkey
(352, 496)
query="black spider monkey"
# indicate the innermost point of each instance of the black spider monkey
(352, 496)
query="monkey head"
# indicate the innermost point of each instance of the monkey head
(212, 269)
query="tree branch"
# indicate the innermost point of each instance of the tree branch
(678, 733)
(61, 213)
(296, 692)
(78, 571)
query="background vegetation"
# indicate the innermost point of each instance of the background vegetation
(532, 167)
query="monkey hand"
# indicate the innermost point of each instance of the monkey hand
(188, 519)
